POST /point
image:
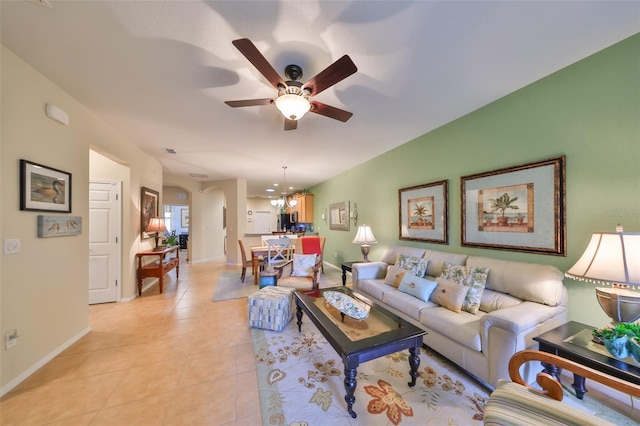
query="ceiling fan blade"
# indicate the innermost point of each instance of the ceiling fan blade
(339, 70)
(251, 52)
(329, 111)
(249, 102)
(290, 124)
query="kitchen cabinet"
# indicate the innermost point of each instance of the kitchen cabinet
(305, 208)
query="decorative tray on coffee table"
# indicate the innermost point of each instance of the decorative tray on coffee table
(347, 305)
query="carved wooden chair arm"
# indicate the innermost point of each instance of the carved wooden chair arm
(551, 386)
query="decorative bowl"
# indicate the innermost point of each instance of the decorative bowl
(618, 346)
(347, 305)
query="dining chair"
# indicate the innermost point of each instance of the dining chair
(248, 262)
(279, 251)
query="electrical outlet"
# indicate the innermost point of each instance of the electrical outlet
(335, 254)
(10, 339)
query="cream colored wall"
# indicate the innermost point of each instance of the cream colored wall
(235, 200)
(44, 292)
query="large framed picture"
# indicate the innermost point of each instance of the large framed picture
(339, 216)
(148, 209)
(423, 212)
(519, 208)
(44, 188)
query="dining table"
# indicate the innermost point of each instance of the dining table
(261, 251)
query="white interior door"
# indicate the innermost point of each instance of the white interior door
(104, 241)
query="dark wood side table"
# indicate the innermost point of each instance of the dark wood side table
(159, 267)
(572, 341)
(346, 267)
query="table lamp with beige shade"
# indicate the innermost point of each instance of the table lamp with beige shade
(613, 259)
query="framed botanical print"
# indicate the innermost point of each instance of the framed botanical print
(423, 212)
(519, 208)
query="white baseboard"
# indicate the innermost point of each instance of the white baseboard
(28, 372)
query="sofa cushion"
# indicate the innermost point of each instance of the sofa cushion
(415, 265)
(406, 303)
(462, 327)
(493, 300)
(375, 288)
(394, 276)
(528, 281)
(437, 258)
(449, 294)
(303, 265)
(392, 253)
(417, 287)
(473, 278)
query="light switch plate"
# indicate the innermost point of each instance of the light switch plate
(11, 246)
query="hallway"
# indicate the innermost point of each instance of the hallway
(163, 359)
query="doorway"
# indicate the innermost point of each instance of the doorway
(104, 241)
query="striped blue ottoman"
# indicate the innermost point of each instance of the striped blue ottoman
(271, 308)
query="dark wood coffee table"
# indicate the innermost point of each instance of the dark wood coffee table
(573, 341)
(385, 334)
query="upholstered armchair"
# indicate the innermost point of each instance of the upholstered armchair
(515, 403)
(300, 273)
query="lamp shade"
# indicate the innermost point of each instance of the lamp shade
(364, 236)
(610, 258)
(156, 224)
(293, 106)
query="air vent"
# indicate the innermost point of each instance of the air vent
(181, 195)
(170, 151)
(198, 175)
(43, 3)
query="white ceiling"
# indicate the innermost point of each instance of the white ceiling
(159, 72)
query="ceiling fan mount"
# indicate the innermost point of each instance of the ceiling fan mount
(293, 98)
(293, 72)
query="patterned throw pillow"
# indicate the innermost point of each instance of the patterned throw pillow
(449, 294)
(415, 265)
(303, 265)
(394, 276)
(417, 287)
(473, 278)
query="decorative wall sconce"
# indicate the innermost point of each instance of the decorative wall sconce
(354, 214)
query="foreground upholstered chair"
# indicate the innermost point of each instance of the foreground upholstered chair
(300, 273)
(517, 404)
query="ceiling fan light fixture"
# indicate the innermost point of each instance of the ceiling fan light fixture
(293, 106)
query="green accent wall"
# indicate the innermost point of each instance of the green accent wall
(589, 111)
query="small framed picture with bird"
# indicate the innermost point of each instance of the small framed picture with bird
(44, 188)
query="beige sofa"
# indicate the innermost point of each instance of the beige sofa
(520, 301)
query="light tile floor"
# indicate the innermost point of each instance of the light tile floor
(162, 359)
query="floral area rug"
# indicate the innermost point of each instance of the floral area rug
(300, 379)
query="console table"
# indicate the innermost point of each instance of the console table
(159, 267)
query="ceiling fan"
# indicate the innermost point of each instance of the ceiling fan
(293, 96)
